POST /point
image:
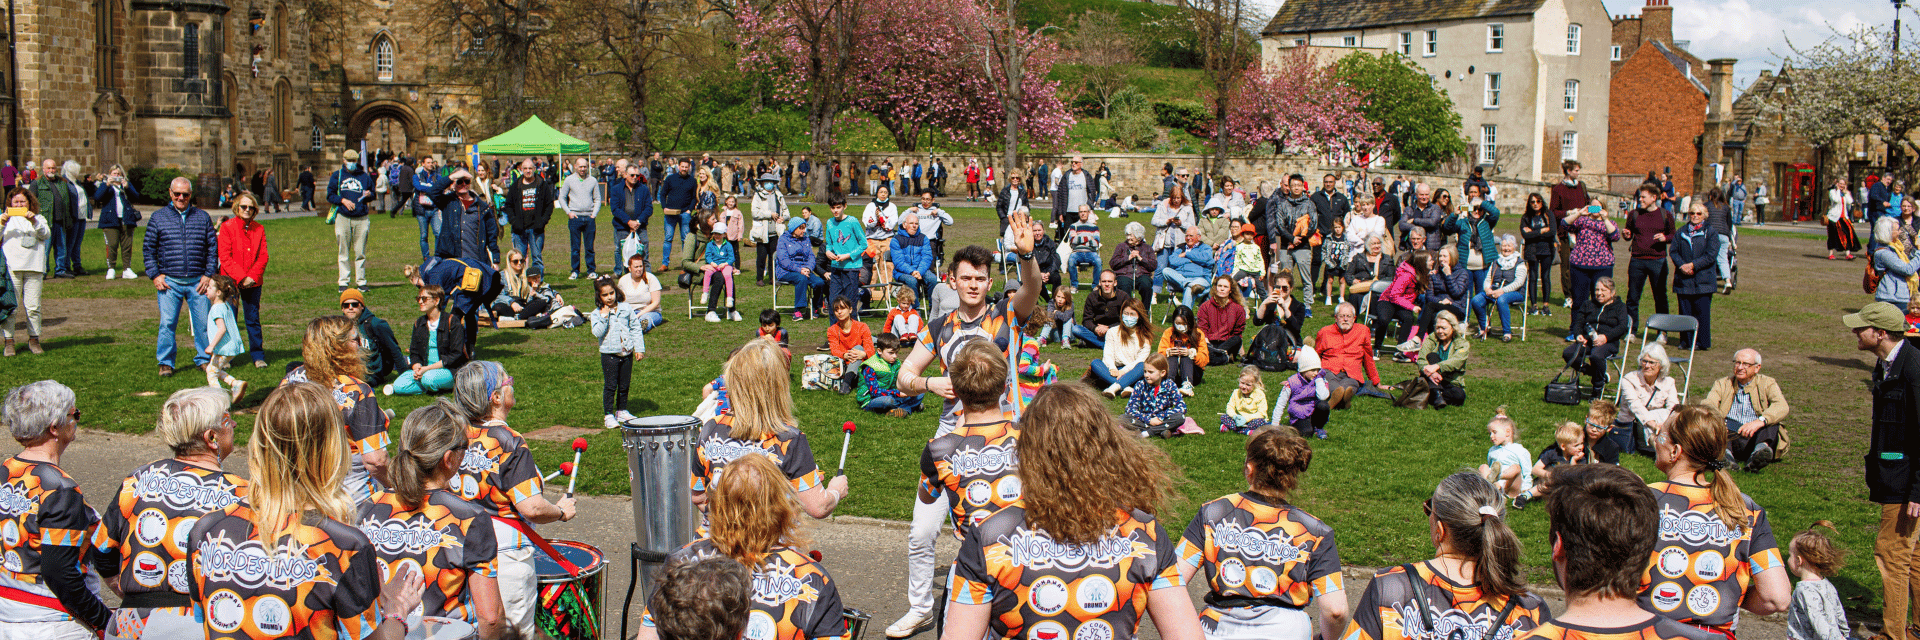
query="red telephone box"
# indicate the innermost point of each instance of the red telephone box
(1802, 193)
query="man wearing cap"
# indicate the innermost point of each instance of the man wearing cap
(350, 189)
(377, 344)
(1893, 478)
(1073, 190)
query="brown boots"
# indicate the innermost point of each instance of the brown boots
(8, 351)
(33, 345)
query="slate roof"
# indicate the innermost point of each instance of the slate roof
(1679, 64)
(1305, 16)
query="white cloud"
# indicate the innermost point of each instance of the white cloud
(1756, 32)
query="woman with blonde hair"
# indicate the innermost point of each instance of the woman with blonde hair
(759, 417)
(323, 578)
(195, 424)
(1746, 570)
(754, 521)
(459, 562)
(1091, 492)
(331, 351)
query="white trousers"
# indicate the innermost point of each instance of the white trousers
(519, 589)
(1261, 623)
(927, 519)
(350, 240)
(26, 290)
(167, 623)
(62, 630)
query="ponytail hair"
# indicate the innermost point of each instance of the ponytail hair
(1702, 438)
(1474, 512)
(426, 437)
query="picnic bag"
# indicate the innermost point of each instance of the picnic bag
(1272, 349)
(821, 371)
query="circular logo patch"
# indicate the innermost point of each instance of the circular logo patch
(1233, 573)
(150, 527)
(979, 492)
(148, 569)
(1007, 489)
(10, 533)
(1047, 630)
(1709, 566)
(225, 611)
(271, 616)
(1703, 599)
(182, 530)
(1048, 596)
(1095, 629)
(1263, 580)
(1666, 596)
(760, 626)
(1673, 562)
(177, 575)
(1093, 595)
(12, 561)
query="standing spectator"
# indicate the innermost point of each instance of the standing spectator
(1668, 197)
(274, 201)
(1737, 199)
(179, 252)
(118, 219)
(1892, 476)
(1693, 252)
(350, 189)
(47, 521)
(768, 208)
(1760, 202)
(1720, 225)
(632, 204)
(1895, 261)
(378, 348)
(972, 174)
(469, 223)
(1592, 255)
(1879, 195)
(9, 176)
(1074, 190)
(243, 257)
(845, 242)
(1014, 198)
(306, 188)
(427, 194)
(56, 203)
(1840, 236)
(802, 170)
(580, 196)
(1427, 213)
(1291, 219)
(1329, 204)
(402, 175)
(1539, 227)
(677, 197)
(529, 209)
(1650, 228)
(933, 220)
(1567, 198)
(24, 245)
(1753, 407)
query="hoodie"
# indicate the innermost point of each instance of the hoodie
(1284, 220)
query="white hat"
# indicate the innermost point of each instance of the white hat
(720, 228)
(1306, 359)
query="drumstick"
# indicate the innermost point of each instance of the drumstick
(845, 439)
(579, 445)
(565, 467)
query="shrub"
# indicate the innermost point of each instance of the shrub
(1132, 124)
(1185, 115)
(152, 183)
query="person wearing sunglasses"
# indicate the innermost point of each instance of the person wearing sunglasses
(243, 257)
(377, 344)
(178, 254)
(47, 521)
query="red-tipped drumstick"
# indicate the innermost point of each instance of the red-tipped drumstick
(573, 470)
(846, 438)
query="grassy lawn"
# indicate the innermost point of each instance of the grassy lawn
(1367, 482)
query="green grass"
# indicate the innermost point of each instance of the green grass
(1367, 481)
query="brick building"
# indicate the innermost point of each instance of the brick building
(1659, 103)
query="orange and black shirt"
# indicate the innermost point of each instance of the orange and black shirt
(977, 467)
(496, 473)
(1701, 567)
(1391, 609)
(142, 539)
(44, 527)
(788, 449)
(1046, 590)
(947, 333)
(360, 414)
(321, 582)
(1254, 550)
(447, 539)
(1655, 628)
(793, 597)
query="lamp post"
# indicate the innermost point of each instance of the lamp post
(1897, 6)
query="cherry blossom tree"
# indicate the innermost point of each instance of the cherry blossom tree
(811, 49)
(1300, 106)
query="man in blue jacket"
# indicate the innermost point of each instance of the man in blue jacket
(350, 189)
(181, 254)
(428, 191)
(632, 204)
(1190, 267)
(676, 197)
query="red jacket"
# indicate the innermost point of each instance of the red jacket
(1220, 323)
(1350, 353)
(243, 250)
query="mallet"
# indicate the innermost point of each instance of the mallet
(846, 438)
(579, 446)
(565, 468)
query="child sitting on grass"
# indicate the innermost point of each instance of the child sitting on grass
(720, 260)
(1815, 612)
(1033, 372)
(1059, 318)
(770, 329)
(1569, 448)
(879, 375)
(1303, 399)
(1247, 405)
(1154, 406)
(1603, 444)
(850, 340)
(1506, 465)
(904, 320)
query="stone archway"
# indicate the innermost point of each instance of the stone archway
(364, 118)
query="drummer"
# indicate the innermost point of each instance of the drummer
(44, 590)
(755, 523)
(497, 472)
(972, 271)
(151, 576)
(760, 420)
(418, 522)
(704, 599)
(285, 563)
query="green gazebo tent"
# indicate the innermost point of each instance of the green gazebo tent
(532, 138)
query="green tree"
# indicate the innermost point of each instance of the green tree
(1418, 116)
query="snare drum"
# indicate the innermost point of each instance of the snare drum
(432, 628)
(569, 607)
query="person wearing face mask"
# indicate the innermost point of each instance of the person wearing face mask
(1123, 359)
(195, 424)
(880, 220)
(350, 190)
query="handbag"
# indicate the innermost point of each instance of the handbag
(1567, 393)
(1415, 394)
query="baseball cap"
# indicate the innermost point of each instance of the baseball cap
(354, 295)
(1879, 315)
(351, 155)
(536, 271)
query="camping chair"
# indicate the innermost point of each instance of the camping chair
(1617, 365)
(1668, 323)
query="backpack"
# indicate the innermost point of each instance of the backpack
(1870, 280)
(1272, 349)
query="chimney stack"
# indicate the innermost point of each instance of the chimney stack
(1656, 22)
(1719, 87)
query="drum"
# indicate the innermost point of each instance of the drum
(432, 628)
(569, 606)
(660, 476)
(856, 622)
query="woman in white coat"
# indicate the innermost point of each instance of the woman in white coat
(23, 238)
(1840, 235)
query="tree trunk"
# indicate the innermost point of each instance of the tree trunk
(514, 57)
(1016, 64)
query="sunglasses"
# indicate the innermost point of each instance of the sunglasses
(181, 194)
(246, 208)
(423, 299)
(1427, 506)
(349, 305)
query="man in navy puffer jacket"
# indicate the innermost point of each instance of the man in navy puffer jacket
(181, 253)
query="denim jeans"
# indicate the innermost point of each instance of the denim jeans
(1125, 378)
(1584, 279)
(75, 232)
(580, 232)
(1725, 260)
(306, 198)
(250, 305)
(531, 243)
(1183, 283)
(652, 320)
(1088, 336)
(1480, 301)
(844, 283)
(676, 226)
(181, 290)
(884, 404)
(430, 226)
(1079, 258)
(1739, 210)
(801, 284)
(59, 252)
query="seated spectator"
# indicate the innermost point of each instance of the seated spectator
(1896, 262)
(1033, 372)
(879, 392)
(1443, 355)
(1185, 347)
(1248, 265)
(1283, 309)
(850, 340)
(1057, 318)
(1122, 361)
(1346, 352)
(1083, 238)
(438, 349)
(1223, 317)
(1188, 267)
(533, 308)
(904, 319)
(1303, 402)
(1648, 394)
(641, 291)
(1507, 460)
(1101, 313)
(1599, 324)
(912, 256)
(1399, 304)
(1247, 405)
(1569, 448)
(1606, 439)
(944, 301)
(1753, 407)
(793, 263)
(1134, 263)
(704, 599)
(771, 330)
(1154, 406)
(1506, 276)
(721, 260)
(693, 263)
(1451, 289)
(381, 351)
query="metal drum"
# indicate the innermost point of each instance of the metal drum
(660, 474)
(432, 628)
(569, 606)
(856, 622)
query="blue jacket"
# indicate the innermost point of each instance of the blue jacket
(719, 252)
(431, 185)
(1893, 276)
(451, 242)
(1457, 287)
(791, 255)
(617, 201)
(354, 185)
(1699, 247)
(181, 244)
(114, 215)
(911, 253)
(676, 190)
(1481, 233)
(1193, 262)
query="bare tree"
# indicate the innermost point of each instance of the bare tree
(1224, 37)
(1850, 85)
(1106, 53)
(509, 31)
(1010, 45)
(624, 42)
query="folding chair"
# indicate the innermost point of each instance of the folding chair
(1669, 323)
(1621, 357)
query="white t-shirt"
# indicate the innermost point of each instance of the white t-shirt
(637, 294)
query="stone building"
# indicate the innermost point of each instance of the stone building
(1527, 76)
(1659, 99)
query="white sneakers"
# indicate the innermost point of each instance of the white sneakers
(622, 416)
(610, 422)
(713, 317)
(126, 273)
(735, 316)
(910, 624)
(110, 274)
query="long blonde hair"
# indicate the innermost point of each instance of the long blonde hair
(331, 350)
(516, 279)
(297, 458)
(752, 509)
(758, 391)
(426, 437)
(1081, 471)
(1703, 440)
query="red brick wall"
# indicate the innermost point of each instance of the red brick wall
(1654, 116)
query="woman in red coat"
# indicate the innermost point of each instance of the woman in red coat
(243, 257)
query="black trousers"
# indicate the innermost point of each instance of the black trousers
(1314, 422)
(1140, 287)
(616, 372)
(1641, 271)
(1220, 351)
(1183, 370)
(1540, 278)
(1591, 361)
(763, 260)
(1701, 308)
(1742, 446)
(1386, 313)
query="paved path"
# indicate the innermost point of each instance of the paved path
(866, 557)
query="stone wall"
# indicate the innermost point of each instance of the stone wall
(55, 45)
